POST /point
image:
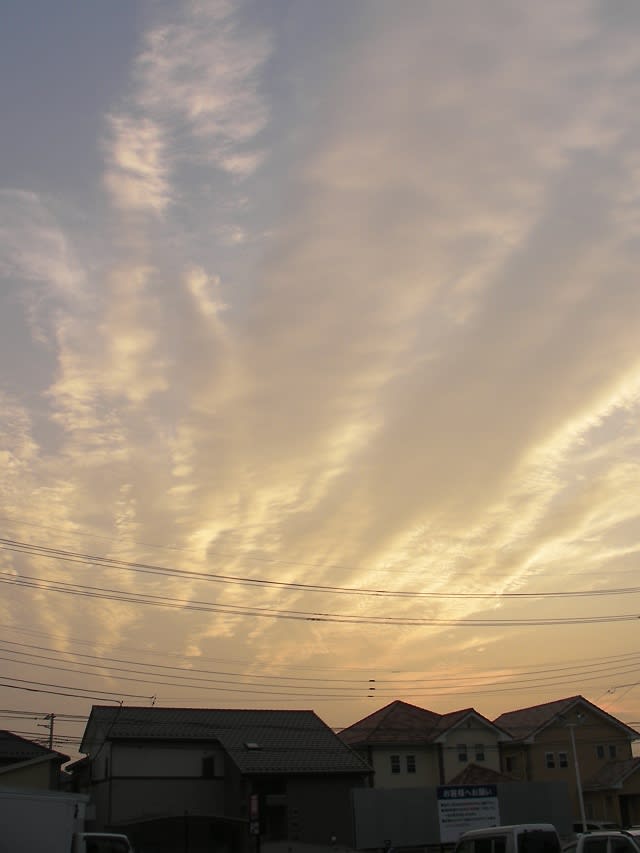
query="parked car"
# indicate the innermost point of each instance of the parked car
(603, 841)
(595, 825)
(514, 838)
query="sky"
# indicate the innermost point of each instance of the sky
(319, 363)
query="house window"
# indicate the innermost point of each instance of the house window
(550, 760)
(208, 767)
(479, 750)
(462, 753)
(563, 760)
(511, 763)
(612, 750)
(411, 764)
(600, 750)
(395, 763)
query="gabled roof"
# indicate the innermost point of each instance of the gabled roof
(402, 723)
(613, 774)
(452, 720)
(398, 722)
(527, 723)
(258, 741)
(14, 748)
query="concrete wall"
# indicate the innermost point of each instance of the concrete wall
(319, 809)
(138, 781)
(403, 817)
(410, 818)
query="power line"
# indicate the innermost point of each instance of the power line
(543, 667)
(611, 665)
(251, 557)
(35, 550)
(169, 678)
(103, 593)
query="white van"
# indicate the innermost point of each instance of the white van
(516, 838)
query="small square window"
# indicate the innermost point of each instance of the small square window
(600, 751)
(208, 767)
(563, 760)
(395, 763)
(612, 750)
(550, 760)
(462, 753)
(411, 764)
(511, 763)
(479, 750)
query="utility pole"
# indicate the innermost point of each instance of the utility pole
(51, 717)
(571, 727)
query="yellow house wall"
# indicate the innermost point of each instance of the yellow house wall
(590, 732)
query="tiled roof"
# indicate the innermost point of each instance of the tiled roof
(14, 748)
(524, 722)
(402, 723)
(612, 774)
(527, 722)
(475, 774)
(279, 741)
(398, 722)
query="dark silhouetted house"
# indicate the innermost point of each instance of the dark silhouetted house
(541, 749)
(26, 764)
(214, 776)
(410, 747)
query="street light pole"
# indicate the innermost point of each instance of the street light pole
(571, 727)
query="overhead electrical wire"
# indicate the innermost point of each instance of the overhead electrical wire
(168, 677)
(83, 590)
(246, 685)
(542, 667)
(609, 665)
(187, 660)
(249, 557)
(35, 550)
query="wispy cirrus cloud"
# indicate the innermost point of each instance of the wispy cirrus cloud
(194, 99)
(425, 380)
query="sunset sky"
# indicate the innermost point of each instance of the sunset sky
(319, 356)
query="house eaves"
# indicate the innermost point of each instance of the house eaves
(29, 762)
(14, 748)
(613, 775)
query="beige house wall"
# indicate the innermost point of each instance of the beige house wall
(427, 764)
(29, 776)
(480, 744)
